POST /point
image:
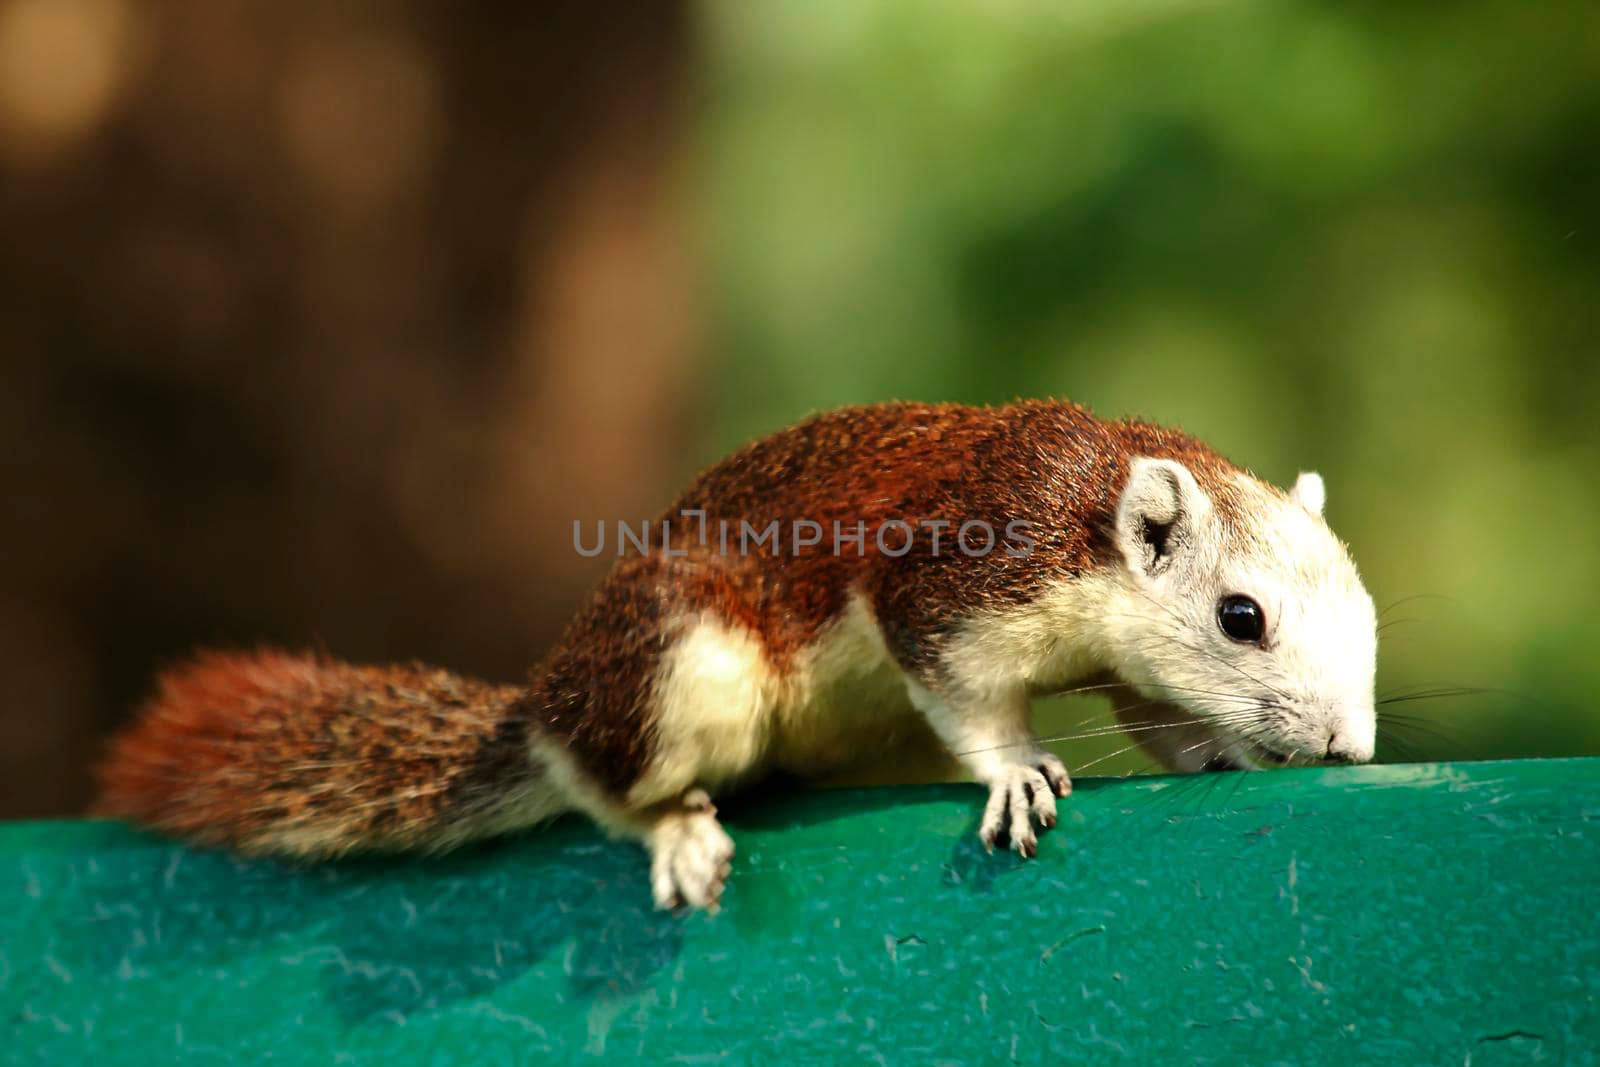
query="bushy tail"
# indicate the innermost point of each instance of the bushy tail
(272, 752)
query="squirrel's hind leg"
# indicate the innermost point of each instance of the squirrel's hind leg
(690, 853)
(697, 714)
(647, 717)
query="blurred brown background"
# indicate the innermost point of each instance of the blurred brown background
(320, 322)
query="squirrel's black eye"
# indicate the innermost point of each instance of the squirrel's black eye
(1241, 618)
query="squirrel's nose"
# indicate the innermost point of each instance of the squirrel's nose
(1344, 749)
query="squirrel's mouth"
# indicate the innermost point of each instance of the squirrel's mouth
(1252, 757)
(1267, 755)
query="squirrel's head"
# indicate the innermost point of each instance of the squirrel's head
(1240, 606)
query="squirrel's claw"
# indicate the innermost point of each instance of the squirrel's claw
(1022, 795)
(690, 856)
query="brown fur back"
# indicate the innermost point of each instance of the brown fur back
(1048, 462)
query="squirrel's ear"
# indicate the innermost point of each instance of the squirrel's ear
(1159, 512)
(1309, 492)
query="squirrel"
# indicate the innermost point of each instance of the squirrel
(1225, 621)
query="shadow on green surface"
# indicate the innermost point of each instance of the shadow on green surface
(398, 936)
(395, 936)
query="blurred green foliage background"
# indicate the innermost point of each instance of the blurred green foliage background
(1362, 239)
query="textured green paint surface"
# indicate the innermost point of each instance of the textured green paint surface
(1422, 914)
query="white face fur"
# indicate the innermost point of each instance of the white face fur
(1302, 691)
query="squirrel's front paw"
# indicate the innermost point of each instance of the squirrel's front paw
(690, 856)
(1019, 796)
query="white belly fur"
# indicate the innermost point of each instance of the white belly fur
(724, 714)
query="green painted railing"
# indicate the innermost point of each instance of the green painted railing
(1445, 914)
